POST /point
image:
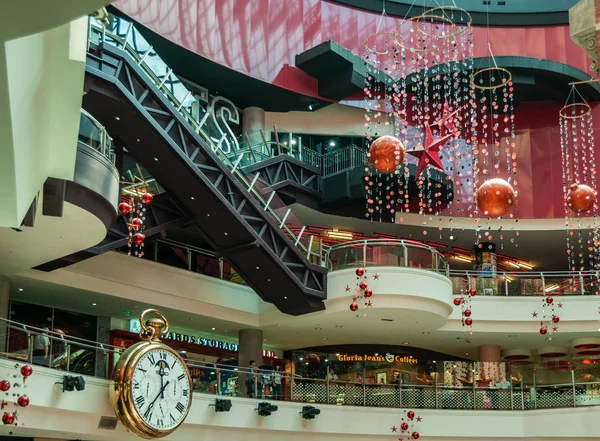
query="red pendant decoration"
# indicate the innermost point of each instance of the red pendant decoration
(495, 198)
(415, 435)
(138, 238)
(408, 425)
(23, 401)
(386, 154)
(410, 415)
(136, 223)
(26, 371)
(124, 208)
(555, 319)
(549, 300)
(543, 330)
(4, 385)
(362, 285)
(467, 313)
(468, 321)
(360, 272)
(134, 207)
(147, 198)
(457, 301)
(368, 293)
(8, 418)
(581, 198)
(353, 307)
(404, 426)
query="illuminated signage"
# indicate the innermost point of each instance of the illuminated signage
(390, 358)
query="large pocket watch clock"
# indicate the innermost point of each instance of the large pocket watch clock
(151, 388)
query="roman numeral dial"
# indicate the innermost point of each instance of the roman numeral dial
(160, 390)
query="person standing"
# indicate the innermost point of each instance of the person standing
(41, 348)
(250, 379)
(277, 382)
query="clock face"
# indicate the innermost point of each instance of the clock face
(160, 389)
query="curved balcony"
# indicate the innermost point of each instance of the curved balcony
(404, 276)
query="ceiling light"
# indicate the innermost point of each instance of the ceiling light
(337, 355)
(552, 288)
(326, 361)
(213, 329)
(323, 338)
(332, 144)
(528, 267)
(156, 159)
(463, 258)
(301, 359)
(406, 343)
(93, 304)
(466, 353)
(117, 118)
(293, 142)
(513, 264)
(335, 234)
(21, 289)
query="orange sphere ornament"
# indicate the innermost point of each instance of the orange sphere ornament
(386, 153)
(581, 198)
(495, 197)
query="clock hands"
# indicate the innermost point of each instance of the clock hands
(151, 405)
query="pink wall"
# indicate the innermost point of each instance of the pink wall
(259, 37)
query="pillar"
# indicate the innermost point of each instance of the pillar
(490, 359)
(250, 348)
(485, 265)
(4, 299)
(253, 121)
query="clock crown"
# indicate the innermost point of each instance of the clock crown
(153, 328)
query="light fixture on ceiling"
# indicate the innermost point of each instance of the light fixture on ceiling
(301, 359)
(524, 265)
(293, 142)
(513, 264)
(335, 234)
(94, 304)
(466, 353)
(406, 343)
(332, 144)
(463, 258)
(21, 289)
(213, 328)
(323, 338)
(552, 288)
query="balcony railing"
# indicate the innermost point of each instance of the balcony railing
(385, 252)
(94, 135)
(76, 355)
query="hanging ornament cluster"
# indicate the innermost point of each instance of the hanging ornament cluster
(13, 399)
(578, 153)
(464, 301)
(494, 151)
(549, 317)
(407, 429)
(134, 208)
(419, 100)
(362, 291)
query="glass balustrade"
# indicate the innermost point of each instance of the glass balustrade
(93, 135)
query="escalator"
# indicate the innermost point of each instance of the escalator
(127, 100)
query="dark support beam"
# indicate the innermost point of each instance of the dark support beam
(237, 248)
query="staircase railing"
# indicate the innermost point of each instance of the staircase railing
(125, 36)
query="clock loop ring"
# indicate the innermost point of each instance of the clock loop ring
(155, 327)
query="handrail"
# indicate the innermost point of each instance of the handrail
(182, 107)
(105, 147)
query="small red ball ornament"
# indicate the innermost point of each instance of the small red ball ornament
(136, 223)
(404, 426)
(410, 414)
(495, 197)
(543, 330)
(4, 385)
(8, 418)
(368, 293)
(353, 307)
(386, 153)
(360, 272)
(415, 435)
(147, 198)
(26, 370)
(580, 198)
(549, 300)
(467, 313)
(472, 292)
(555, 319)
(23, 401)
(457, 301)
(138, 238)
(468, 321)
(362, 285)
(124, 208)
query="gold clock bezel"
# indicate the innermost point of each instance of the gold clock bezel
(121, 393)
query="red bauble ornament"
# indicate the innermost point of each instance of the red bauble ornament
(124, 208)
(362, 285)
(457, 301)
(386, 153)
(147, 198)
(549, 300)
(26, 370)
(368, 293)
(415, 435)
(8, 418)
(543, 330)
(555, 319)
(468, 321)
(410, 414)
(136, 223)
(472, 292)
(580, 198)
(23, 401)
(353, 307)
(495, 197)
(4, 385)
(467, 313)
(404, 426)
(360, 272)
(138, 238)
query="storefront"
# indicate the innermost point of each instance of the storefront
(209, 358)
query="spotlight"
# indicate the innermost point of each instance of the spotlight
(310, 412)
(265, 409)
(71, 383)
(222, 405)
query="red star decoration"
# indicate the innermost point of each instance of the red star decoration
(400, 439)
(534, 314)
(555, 329)
(347, 288)
(4, 404)
(369, 304)
(376, 276)
(394, 429)
(429, 155)
(560, 305)
(419, 419)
